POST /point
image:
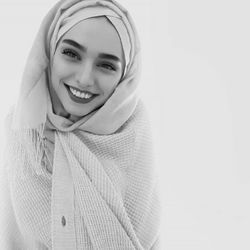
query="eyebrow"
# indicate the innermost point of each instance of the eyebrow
(84, 49)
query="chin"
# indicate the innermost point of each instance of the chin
(78, 113)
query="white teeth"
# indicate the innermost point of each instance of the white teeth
(80, 94)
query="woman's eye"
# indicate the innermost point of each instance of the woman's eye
(71, 53)
(108, 66)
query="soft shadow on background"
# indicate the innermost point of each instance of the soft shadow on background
(195, 83)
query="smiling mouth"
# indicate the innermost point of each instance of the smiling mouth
(79, 97)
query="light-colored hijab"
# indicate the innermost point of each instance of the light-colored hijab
(103, 162)
(34, 107)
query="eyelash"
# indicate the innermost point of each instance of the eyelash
(108, 66)
(71, 53)
(74, 55)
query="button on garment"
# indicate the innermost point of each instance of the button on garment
(62, 204)
(63, 221)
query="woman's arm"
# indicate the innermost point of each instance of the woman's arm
(142, 199)
(10, 235)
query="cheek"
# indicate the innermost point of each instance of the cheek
(58, 68)
(58, 71)
(109, 84)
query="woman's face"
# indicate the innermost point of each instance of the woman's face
(87, 66)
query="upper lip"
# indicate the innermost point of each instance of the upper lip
(85, 91)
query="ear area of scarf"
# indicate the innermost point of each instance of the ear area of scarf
(99, 171)
(34, 105)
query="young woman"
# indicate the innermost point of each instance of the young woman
(79, 170)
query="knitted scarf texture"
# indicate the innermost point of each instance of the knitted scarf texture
(102, 166)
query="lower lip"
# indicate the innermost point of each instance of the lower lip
(77, 99)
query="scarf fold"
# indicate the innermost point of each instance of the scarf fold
(34, 105)
(119, 213)
(103, 162)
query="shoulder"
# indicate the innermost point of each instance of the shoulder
(141, 119)
(8, 121)
(141, 125)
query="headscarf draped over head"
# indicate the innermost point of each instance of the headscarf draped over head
(34, 105)
(102, 172)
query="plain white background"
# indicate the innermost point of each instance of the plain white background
(195, 83)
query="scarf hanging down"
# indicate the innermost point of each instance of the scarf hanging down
(98, 189)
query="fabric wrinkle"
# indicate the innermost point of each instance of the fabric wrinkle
(88, 184)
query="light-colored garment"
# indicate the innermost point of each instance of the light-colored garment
(34, 104)
(106, 200)
(99, 189)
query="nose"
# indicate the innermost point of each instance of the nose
(84, 75)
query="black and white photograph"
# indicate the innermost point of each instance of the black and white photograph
(124, 125)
